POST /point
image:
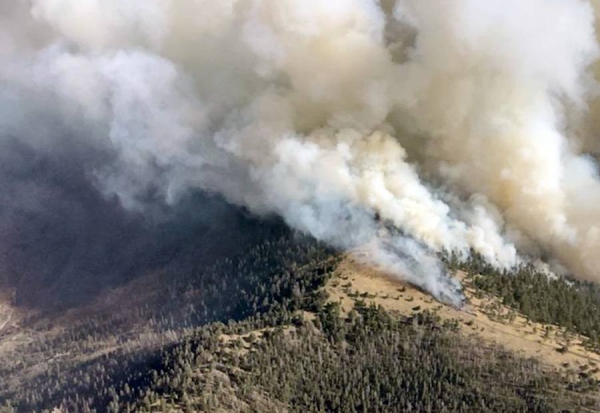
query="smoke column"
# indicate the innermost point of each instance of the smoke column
(463, 124)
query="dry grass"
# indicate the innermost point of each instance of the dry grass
(484, 316)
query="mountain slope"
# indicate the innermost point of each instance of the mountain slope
(288, 325)
(484, 316)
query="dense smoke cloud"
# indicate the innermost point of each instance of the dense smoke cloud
(462, 124)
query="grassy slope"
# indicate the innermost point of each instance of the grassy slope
(485, 316)
(291, 351)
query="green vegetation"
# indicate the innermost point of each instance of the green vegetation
(84, 364)
(572, 304)
(371, 361)
(254, 333)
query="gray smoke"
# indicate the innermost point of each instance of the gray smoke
(463, 124)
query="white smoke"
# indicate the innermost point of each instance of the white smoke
(461, 123)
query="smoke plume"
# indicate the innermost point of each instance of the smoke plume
(462, 125)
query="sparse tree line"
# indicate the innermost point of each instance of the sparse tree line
(277, 360)
(370, 361)
(568, 303)
(284, 270)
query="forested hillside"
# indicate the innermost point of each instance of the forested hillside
(257, 332)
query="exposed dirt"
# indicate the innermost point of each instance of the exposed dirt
(483, 316)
